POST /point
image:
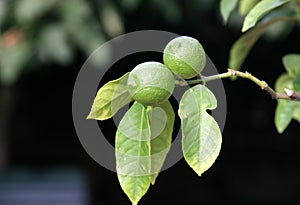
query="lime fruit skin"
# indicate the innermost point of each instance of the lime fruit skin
(150, 83)
(185, 56)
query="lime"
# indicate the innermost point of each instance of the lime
(151, 83)
(185, 56)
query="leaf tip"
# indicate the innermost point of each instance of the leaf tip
(244, 28)
(153, 180)
(280, 129)
(91, 116)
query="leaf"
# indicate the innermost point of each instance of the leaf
(29, 10)
(280, 30)
(296, 83)
(111, 20)
(74, 11)
(243, 45)
(284, 81)
(133, 152)
(284, 114)
(296, 114)
(226, 7)
(13, 61)
(3, 11)
(110, 99)
(259, 10)
(53, 44)
(201, 135)
(285, 109)
(246, 5)
(162, 122)
(291, 63)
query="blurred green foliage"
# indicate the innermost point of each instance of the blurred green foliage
(35, 32)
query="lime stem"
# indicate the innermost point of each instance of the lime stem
(288, 95)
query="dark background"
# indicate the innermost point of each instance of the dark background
(256, 164)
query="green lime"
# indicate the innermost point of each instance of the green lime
(185, 56)
(150, 83)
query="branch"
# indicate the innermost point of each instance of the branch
(288, 95)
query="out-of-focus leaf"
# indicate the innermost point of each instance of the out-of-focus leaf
(296, 114)
(285, 109)
(111, 20)
(246, 5)
(53, 44)
(3, 10)
(133, 150)
(243, 45)
(280, 30)
(296, 83)
(173, 12)
(284, 114)
(75, 11)
(201, 135)
(29, 10)
(259, 10)
(13, 60)
(284, 81)
(226, 7)
(84, 30)
(88, 36)
(162, 122)
(291, 63)
(110, 98)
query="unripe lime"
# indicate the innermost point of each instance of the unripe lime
(185, 56)
(150, 83)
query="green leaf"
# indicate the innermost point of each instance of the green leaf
(132, 147)
(29, 10)
(3, 11)
(285, 109)
(13, 61)
(162, 122)
(246, 5)
(284, 114)
(280, 30)
(291, 63)
(53, 44)
(110, 99)
(226, 7)
(284, 81)
(296, 83)
(74, 11)
(243, 45)
(201, 135)
(259, 10)
(296, 114)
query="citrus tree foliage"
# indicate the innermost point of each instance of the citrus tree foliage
(42, 32)
(274, 19)
(34, 33)
(144, 135)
